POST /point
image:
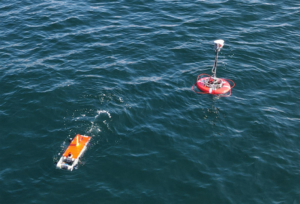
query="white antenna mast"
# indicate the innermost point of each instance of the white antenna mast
(218, 45)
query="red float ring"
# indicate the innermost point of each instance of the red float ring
(226, 87)
(223, 90)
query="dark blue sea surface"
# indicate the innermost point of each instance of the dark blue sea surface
(121, 72)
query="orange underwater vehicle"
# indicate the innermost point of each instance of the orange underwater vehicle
(71, 156)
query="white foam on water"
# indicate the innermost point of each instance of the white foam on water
(102, 111)
(94, 128)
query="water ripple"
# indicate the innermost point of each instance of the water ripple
(121, 72)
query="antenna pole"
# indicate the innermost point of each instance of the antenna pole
(214, 69)
(218, 45)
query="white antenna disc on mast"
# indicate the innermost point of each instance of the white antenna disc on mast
(219, 44)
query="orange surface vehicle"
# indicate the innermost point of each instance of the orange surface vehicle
(71, 156)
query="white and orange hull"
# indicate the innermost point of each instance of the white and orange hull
(70, 157)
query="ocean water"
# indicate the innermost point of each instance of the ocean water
(121, 72)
